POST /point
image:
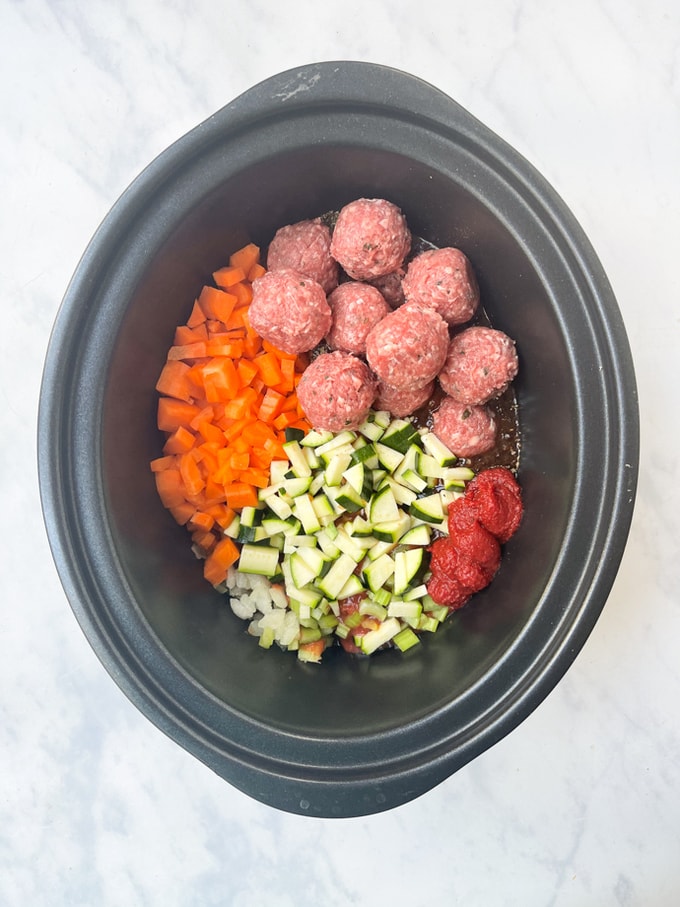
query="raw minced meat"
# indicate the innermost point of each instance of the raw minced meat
(356, 308)
(443, 279)
(336, 391)
(306, 247)
(480, 364)
(289, 310)
(408, 347)
(370, 238)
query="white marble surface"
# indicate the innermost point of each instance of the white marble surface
(580, 806)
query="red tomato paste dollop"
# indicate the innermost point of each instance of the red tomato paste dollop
(466, 560)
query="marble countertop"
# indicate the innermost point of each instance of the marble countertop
(580, 805)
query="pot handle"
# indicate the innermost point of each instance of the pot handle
(350, 83)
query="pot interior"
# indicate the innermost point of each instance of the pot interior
(345, 696)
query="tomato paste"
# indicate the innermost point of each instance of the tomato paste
(466, 560)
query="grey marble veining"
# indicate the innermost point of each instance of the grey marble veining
(578, 807)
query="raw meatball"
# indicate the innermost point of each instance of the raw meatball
(402, 403)
(466, 430)
(289, 310)
(306, 247)
(336, 391)
(480, 365)
(444, 280)
(408, 347)
(370, 238)
(391, 288)
(356, 308)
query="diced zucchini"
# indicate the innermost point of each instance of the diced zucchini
(304, 511)
(407, 564)
(347, 498)
(376, 638)
(277, 471)
(279, 507)
(316, 438)
(274, 525)
(341, 570)
(382, 417)
(323, 508)
(259, 559)
(389, 457)
(393, 530)
(349, 546)
(355, 477)
(371, 608)
(353, 586)
(428, 508)
(337, 441)
(377, 572)
(417, 535)
(382, 507)
(371, 429)
(399, 435)
(293, 434)
(296, 486)
(438, 449)
(307, 565)
(298, 460)
(336, 467)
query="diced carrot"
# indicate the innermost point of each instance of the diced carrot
(172, 413)
(227, 277)
(161, 463)
(240, 495)
(220, 379)
(257, 477)
(197, 316)
(247, 371)
(191, 474)
(223, 555)
(268, 366)
(197, 350)
(204, 539)
(245, 258)
(182, 512)
(201, 520)
(270, 406)
(179, 441)
(173, 381)
(184, 334)
(256, 271)
(216, 304)
(170, 488)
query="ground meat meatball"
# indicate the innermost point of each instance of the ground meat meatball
(408, 347)
(391, 288)
(402, 403)
(336, 391)
(356, 308)
(370, 238)
(306, 247)
(289, 310)
(466, 430)
(480, 365)
(444, 280)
